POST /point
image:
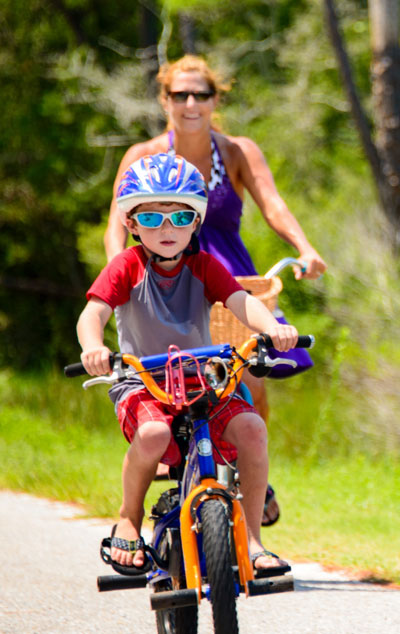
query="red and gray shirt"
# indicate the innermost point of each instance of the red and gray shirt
(154, 307)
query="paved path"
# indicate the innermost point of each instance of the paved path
(49, 563)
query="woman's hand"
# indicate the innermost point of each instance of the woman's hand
(284, 337)
(314, 263)
(96, 360)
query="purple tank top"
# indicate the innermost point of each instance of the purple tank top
(219, 234)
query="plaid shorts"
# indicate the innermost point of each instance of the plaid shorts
(140, 407)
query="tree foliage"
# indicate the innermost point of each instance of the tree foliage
(78, 88)
(53, 174)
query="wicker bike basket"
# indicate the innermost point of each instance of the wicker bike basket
(224, 326)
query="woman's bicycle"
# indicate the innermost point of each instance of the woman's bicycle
(199, 547)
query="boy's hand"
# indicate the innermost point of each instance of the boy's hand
(284, 337)
(96, 360)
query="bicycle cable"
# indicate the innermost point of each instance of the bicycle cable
(231, 396)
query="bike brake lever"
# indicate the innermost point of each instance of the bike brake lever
(111, 378)
(271, 363)
(118, 374)
(262, 362)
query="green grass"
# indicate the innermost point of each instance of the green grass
(338, 508)
(342, 512)
(70, 464)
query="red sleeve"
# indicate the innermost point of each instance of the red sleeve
(115, 282)
(219, 283)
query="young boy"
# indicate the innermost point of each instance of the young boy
(161, 292)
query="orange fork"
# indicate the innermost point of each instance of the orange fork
(189, 541)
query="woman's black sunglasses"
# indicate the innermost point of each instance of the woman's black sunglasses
(180, 96)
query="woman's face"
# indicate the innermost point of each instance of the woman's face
(189, 115)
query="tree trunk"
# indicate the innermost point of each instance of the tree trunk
(187, 33)
(384, 23)
(384, 156)
(148, 39)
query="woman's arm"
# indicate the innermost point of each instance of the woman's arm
(116, 234)
(258, 180)
(90, 328)
(256, 316)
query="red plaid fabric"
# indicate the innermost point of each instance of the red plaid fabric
(141, 407)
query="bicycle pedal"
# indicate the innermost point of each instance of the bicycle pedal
(173, 599)
(271, 585)
(119, 582)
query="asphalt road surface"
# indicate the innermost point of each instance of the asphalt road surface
(49, 562)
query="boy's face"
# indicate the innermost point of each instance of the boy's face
(166, 240)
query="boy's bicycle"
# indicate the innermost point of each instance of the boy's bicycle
(199, 546)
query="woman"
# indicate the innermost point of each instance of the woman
(190, 92)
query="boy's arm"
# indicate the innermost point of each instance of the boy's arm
(90, 328)
(256, 316)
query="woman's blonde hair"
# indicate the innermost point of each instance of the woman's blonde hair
(187, 64)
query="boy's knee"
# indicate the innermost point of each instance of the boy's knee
(254, 424)
(248, 430)
(153, 437)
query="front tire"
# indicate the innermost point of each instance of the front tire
(216, 545)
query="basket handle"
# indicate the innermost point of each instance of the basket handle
(282, 264)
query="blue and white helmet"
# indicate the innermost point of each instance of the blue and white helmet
(162, 177)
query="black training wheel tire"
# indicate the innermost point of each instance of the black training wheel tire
(216, 546)
(174, 620)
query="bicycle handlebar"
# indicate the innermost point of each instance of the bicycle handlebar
(304, 341)
(76, 369)
(282, 264)
(224, 351)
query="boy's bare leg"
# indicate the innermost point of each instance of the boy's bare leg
(260, 401)
(249, 434)
(139, 467)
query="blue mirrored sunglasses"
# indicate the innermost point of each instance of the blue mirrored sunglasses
(154, 219)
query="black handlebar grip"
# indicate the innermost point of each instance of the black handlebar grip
(74, 369)
(77, 369)
(304, 341)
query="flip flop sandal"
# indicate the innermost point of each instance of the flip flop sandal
(270, 495)
(131, 546)
(273, 571)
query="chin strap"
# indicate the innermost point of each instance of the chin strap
(159, 258)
